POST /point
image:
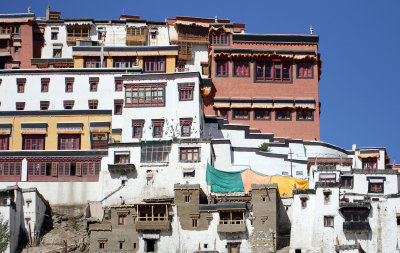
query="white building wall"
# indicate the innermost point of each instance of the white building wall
(47, 50)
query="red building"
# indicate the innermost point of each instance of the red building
(20, 40)
(269, 82)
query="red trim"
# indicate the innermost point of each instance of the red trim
(4, 142)
(154, 64)
(10, 169)
(69, 141)
(33, 142)
(273, 70)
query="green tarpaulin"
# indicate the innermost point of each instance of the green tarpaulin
(223, 181)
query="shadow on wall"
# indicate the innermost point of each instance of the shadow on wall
(284, 227)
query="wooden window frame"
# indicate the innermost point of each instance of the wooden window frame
(265, 112)
(329, 221)
(369, 163)
(68, 104)
(4, 142)
(155, 152)
(261, 67)
(186, 125)
(305, 69)
(240, 114)
(69, 141)
(189, 154)
(93, 104)
(137, 128)
(221, 68)
(345, 180)
(44, 85)
(186, 93)
(278, 115)
(220, 39)
(44, 105)
(143, 95)
(33, 142)
(94, 62)
(376, 187)
(241, 68)
(19, 106)
(154, 64)
(301, 117)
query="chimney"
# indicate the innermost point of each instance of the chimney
(311, 30)
(353, 147)
(216, 19)
(29, 9)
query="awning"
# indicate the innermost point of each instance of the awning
(5, 54)
(57, 46)
(376, 180)
(100, 127)
(33, 128)
(370, 155)
(189, 170)
(122, 153)
(17, 43)
(240, 105)
(222, 105)
(327, 176)
(151, 236)
(5, 36)
(262, 105)
(283, 105)
(179, 22)
(305, 103)
(5, 128)
(69, 128)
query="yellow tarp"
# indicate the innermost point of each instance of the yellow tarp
(286, 184)
(250, 177)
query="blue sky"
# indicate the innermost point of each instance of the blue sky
(358, 39)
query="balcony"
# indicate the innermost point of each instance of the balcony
(356, 227)
(193, 37)
(355, 205)
(152, 223)
(121, 168)
(231, 226)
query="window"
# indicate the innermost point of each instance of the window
(187, 198)
(189, 154)
(10, 168)
(94, 62)
(283, 114)
(69, 82)
(45, 84)
(21, 85)
(398, 219)
(186, 125)
(304, 69)
(221, 67)
(355, 215)
(4, 142)
(240, 114)
(185, 92)
(93, 84)
(328, 221)
(273, 70)
(375, 187)
(118, 84)
(44, 105)
(54, 35)
(77, 32)
(118, 103)
(33, 142)
(204, 68)
(145, 95)
(137, 128)
(155, 151)
(69, 104)
(369, 163)
(262, 114)
(57, 52)
(121, 219)
(220, 38)
(121, 245)
(158, 128)
(194, 223)
(125, 62)
(154, 64)
(241, 68)
(305, 114)
(223, 113)
(121, 157)
(20, 106)
(17, 50)
(69, 141)
(190, 173)
(347, 182)
(10, 29)
(102, 244)
(93, 104)
(99, 140)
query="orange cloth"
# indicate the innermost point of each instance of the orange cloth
(250, 177)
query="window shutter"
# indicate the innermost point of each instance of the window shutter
(54, 169)
(78, 169)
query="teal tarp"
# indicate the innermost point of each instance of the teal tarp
(224, 181)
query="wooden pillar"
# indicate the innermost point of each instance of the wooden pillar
(152, 212)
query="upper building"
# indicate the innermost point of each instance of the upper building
(266, 81)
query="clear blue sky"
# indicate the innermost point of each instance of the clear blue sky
(358, 89)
